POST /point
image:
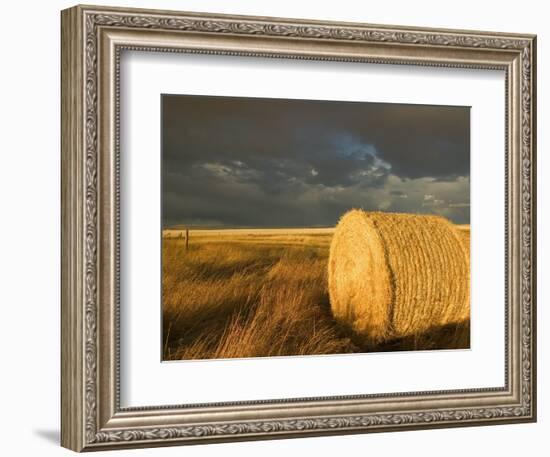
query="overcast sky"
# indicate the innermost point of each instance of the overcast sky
(250, 162)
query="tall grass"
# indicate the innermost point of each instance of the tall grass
(226, 300)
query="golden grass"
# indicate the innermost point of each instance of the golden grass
(225, 299)
(398, 275)
(254, 293)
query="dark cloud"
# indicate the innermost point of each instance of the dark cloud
(271, 162)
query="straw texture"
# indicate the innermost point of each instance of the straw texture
(395, 275)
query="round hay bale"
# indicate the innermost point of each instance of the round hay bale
(396, 275)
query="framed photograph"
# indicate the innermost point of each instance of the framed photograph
(281, 228)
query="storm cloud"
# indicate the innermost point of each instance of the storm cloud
(250, 162)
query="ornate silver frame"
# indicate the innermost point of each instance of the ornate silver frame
(92, 40)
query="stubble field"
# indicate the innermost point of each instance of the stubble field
(263, 292)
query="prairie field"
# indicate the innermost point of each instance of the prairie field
(263, 292)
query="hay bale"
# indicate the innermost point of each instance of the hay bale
(395, 275)
(464, 235)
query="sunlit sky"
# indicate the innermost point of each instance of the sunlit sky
(250, 162)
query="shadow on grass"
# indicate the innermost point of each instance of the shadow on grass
(450, 336)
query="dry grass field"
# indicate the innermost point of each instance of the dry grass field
(264, 292)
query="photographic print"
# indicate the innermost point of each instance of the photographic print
(309, 227)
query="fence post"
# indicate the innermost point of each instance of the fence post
(186, 239)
